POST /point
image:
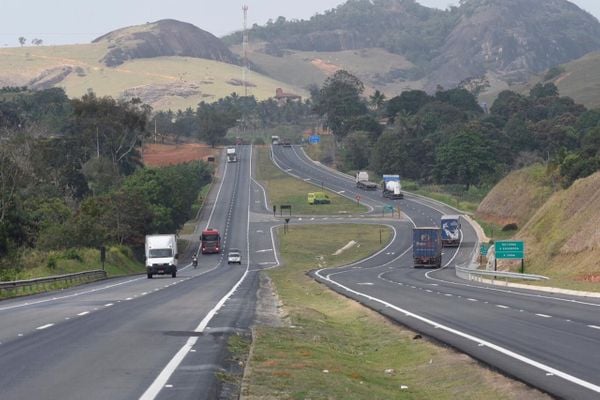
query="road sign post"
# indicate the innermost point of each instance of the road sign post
(510, 249)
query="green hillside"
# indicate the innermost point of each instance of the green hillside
(163, 82)
(562, 237)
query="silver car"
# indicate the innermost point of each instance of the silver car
(234, 256)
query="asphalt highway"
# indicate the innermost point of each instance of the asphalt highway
(133, 337)
(551, 342)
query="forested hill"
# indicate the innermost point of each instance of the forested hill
(509, 38)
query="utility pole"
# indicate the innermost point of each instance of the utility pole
(245, 50)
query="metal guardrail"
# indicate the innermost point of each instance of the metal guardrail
(470, 272)
(88, 276)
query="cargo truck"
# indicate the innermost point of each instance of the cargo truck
(275, 140)
(362, 181)
(231, 154)
(450, 230)
(161, 255)
(392, 187)
(427, 247)
(210, 241)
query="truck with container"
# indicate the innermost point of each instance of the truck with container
(275, 140)
(450, 230)
(427, 247)
(231, 154)
(362, 181)
(210, 241)
(161, 255)
(392, 189)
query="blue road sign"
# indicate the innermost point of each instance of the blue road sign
(314, 139)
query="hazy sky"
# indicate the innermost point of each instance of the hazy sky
(80, 21)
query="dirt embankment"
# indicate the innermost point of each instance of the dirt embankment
(158, 155)
(559, 227)
(516, 197)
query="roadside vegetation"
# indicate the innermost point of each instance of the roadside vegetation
(71, 181)
(284, 189)
(334, 348)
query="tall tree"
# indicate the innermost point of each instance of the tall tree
(340, 101)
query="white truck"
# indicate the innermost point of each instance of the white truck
(362, 181)
(161, 255)
(231, 154)
(392, 189)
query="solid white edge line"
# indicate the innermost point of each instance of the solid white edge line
(502, 350)
(166, 373)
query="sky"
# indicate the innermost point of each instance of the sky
(81, 21)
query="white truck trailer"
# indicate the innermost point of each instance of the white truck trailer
(161, 255)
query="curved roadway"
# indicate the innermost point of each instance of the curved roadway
(549, 341)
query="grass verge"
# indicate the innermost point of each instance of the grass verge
(284, 189)
(338, 349)
(120, 261)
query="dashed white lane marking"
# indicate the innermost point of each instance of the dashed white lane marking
(39, 328)
(264, 251)
(144, 293)
(259, 231)
(472, 299)
(501, 306)
(109, 305)
(429, 291)
(544, 315)
(594, 326)
(81, 314)
(129, 298)
(448, 294)
(365, 283)
(168, 386)
(20, 335)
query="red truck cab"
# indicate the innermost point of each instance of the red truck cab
(210, 241)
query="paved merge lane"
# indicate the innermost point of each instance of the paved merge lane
(550, 341)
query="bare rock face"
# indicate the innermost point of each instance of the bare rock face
(163, 38)
(514, 38)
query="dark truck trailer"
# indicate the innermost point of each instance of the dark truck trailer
(427, 247)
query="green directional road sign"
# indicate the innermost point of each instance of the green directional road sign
(483, 249)
(510, 249)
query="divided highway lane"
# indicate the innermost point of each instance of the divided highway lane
(113, 339)
(549, 341)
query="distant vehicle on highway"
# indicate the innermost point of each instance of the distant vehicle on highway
(392, 189)
(427, 247)
(210, 241)
(318, 198)
(450, 230)
(231, 154)
(362, 181)
(286, 143)
(275, 140)
(234, 256)
(161, 255)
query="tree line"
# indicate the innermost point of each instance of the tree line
(448, 138)
(210, 122)
(71, 175)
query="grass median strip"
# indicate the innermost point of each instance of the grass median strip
(334, 348)
(284, 189)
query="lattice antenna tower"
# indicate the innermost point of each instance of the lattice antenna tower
(245, 50)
